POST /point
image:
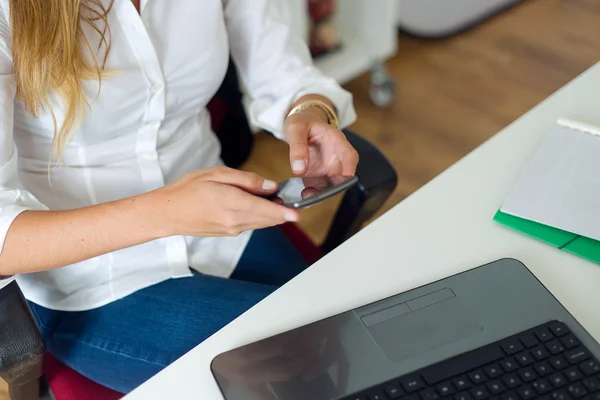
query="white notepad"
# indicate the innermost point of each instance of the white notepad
(560, 186)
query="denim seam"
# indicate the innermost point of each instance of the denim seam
(70, 337)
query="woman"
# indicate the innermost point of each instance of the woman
(110, 184)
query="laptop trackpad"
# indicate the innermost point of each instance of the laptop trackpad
(421, 330)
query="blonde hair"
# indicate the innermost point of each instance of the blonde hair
(51, 53)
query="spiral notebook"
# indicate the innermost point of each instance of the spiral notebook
(557, 196)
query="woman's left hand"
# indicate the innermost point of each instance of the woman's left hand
(317, 148)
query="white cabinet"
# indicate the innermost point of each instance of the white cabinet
(439, 18)
(367, 31)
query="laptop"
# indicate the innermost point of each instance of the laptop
(490, 333)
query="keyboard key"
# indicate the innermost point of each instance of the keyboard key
(526, 392)
(377, 396)
(543, 334)
(577, 355)
(590, 367)
(445, 389)
(573, 374)
(509, 364)
(570, 341)
(493, 371)
(462, 383)
(540, 353)
(529, 340)
(524, 358)
(527, 374)
(477, 377)
(546, 363)
(558, 362)
(394, 391)
(576, 390)
(543, 368)
(558, 380)
(412, 384)
(511, 346)
(512, 380)
(558, 328)
(465, 362)
(429, 394)
(509, 396)
(463, 396)
(541, 386)
(555, 347)
(592, 384)
(480, 393)
(496, 387)
(561, 395)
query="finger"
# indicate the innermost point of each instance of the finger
(335, 167)
(247, 181)
(309, 192)
(297, 137)
(257, 211)
(253, 221)
(349, 158)
(345, 153)
(317, 182)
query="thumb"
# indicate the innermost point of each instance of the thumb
(247, 181)
(297, 137)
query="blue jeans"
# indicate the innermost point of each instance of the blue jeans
(123, 344)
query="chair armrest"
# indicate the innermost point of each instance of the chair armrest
(229, 120)
(21, 344)
(377, 181)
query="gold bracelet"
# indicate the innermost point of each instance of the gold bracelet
(332, 118)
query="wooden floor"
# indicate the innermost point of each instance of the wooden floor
(455, 93)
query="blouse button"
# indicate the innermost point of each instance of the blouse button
(157, 87)
(152, 124)
(149, 156)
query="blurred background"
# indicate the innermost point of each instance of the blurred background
(463, 70)
(433, 79)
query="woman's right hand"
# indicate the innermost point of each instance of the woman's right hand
(218, 201)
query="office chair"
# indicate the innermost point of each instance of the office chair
(32, 373)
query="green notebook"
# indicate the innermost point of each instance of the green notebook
(571, 242)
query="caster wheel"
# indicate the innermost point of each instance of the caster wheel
(383, 87)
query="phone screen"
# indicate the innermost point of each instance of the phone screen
(303, 192)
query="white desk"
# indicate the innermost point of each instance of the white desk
(444, 228)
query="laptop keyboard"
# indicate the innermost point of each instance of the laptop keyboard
(544, 363)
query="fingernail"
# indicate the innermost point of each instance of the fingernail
(299, 165)
(291, 217)
(269, 185)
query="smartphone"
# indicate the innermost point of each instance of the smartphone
(305, 192)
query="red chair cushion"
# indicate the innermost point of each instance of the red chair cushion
(217, 109)
(66, 384)
(305, 246)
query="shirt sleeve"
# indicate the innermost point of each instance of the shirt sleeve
(13, 200)
(275, 64)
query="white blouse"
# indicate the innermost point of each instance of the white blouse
(147, 128)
